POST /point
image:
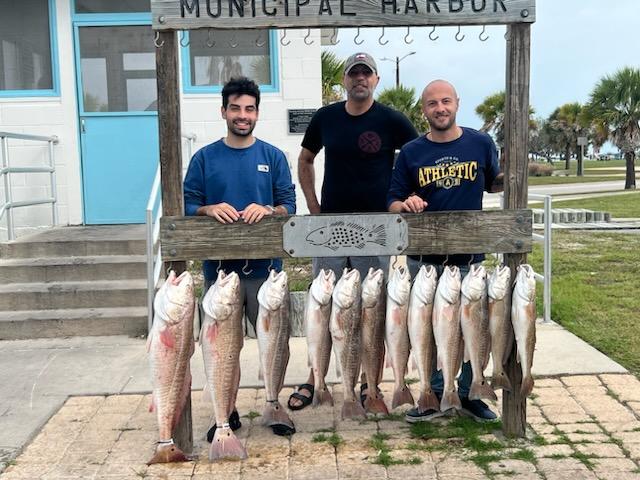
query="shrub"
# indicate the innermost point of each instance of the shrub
(540, 169)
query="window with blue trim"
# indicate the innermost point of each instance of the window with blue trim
(26, 46)
(215, 56)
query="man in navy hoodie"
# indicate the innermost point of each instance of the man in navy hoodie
(449, 168)
(240, 178)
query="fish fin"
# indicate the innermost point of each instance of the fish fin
(450, 400)
(333, 247)
(207, 393)
(168, 454)
(274, 414)
(375, 404)
(352, 409)
(428, 401)
(360, 245)
(527, 386)
(225, 444)
(322, 397)
(500, 380)
(380, 235)
(438, 362)
(481, 390)
(466, 355)
(167, 338)
(401, 396)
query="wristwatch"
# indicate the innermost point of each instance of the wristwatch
(271, 208)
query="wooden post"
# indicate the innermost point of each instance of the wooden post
(516, 147)
(171, 174)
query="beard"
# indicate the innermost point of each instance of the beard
(436, 124)
(360, 93)
(241, 132)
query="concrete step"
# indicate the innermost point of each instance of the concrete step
(73, 269)
(56, 295)
(78, 241)
(30, 324)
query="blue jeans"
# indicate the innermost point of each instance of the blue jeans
(466, 375)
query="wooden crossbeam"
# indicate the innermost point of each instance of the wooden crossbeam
(496, 231)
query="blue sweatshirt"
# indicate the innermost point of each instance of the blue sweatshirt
(239, 176)
(448, 176)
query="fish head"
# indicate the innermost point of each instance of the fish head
(424, 285)
(498, 283)
(449, 284)
(322, 286)
(223, 296)
(474, 283)
(319, 236)
(273, 291)
(399, 287)
(371, 287)
(347, 289)
(525, 283)
(174, 297)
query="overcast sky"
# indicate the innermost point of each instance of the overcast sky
(574, 43)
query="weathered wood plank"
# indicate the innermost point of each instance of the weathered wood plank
(514, 405)
(234, 14)
(171, 175)
(496, 231)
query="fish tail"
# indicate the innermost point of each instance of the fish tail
(375, 404)
(322, 397)
(450, 400)
(428, 401)
(527, 386)
(168, 454)
(380, 235)
(274, 414)
(500, 380)
(401, 396)
(225, 444)
(480, 390)
(352, 409)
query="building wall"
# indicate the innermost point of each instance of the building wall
(300, 87)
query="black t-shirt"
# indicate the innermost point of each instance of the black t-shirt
(359, 153)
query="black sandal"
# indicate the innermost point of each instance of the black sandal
(234, 423)
(283, 430)
(363, 396)
(306, 401)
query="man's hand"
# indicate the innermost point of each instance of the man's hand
(413, 204)
(222, 212)
(253, 213)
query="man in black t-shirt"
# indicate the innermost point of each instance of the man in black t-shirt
(359, 136)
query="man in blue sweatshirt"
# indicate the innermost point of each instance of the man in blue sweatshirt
(449, 168)
(240, 178)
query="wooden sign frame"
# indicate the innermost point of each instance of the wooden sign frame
(516, 130)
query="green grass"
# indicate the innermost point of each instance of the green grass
(383, 457)
(625, 205)
(334, 439)
(584, 459)
(594, 290)
(251, 415)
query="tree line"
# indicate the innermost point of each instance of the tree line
(612, 113)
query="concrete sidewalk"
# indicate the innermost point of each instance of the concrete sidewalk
(39, 375)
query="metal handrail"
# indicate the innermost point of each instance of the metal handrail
(7, 169)
(154, 263)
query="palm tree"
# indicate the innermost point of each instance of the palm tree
(615, 103)
(491, 111)
(332, 73)
(569, 122)
(404, 100)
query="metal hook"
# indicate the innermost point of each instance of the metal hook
(486, 37)
(284, 35)
(334, 38)
(470, 261)
(395, 262)
(407, 36)
(431, 37)
(459, 35)
(355, 40)
(210, 41)
(245, 267)
(446, 259)
(380, 38)
(219, 266)
(270, 267)
(183, 35)
(308, 35)
(155, 40)
(233, 43)
(258, 42)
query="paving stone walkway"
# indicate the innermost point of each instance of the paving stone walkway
(581, 427)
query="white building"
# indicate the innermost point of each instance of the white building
(84, 71)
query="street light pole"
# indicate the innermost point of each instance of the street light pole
(398, 60)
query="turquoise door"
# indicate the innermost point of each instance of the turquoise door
(117, 98)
